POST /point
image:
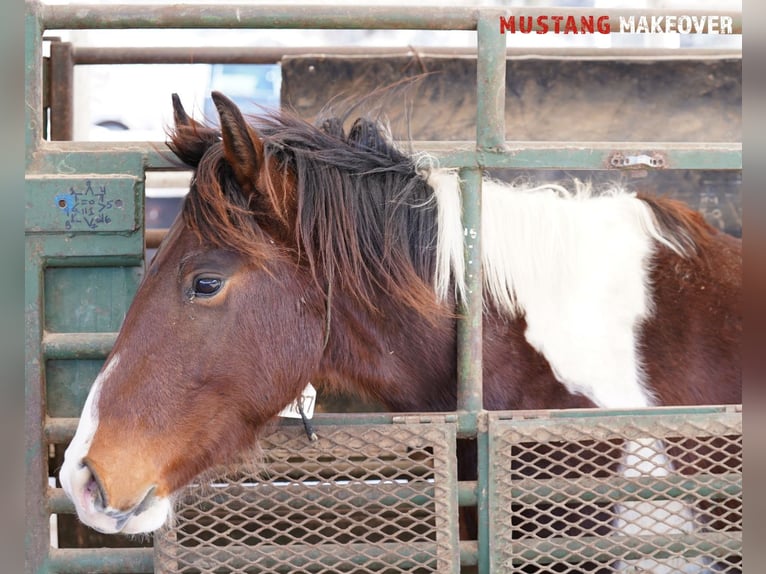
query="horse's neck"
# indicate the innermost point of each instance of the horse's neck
(396, 357)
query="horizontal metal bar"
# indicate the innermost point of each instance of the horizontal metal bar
(529, 155)
(87, 55)
(60, 430)
(590, 413)
(526, 491)
(194, 16)
(77, 345)
(574, 550)
(597, 155)
(102, 560)
(467, 493)
(469, 553)
(318, 557)
(614, 488)
(191, 16)
(59, 502)
(153, 237)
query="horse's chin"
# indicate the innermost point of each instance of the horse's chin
(153, 517)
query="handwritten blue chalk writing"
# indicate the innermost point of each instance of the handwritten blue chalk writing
(89, 207)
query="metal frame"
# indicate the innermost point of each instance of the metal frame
(47, 159)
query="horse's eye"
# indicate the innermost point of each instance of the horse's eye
(206, 286)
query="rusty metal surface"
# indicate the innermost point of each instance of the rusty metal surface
(561, 486)
(546, 99)
(357, 500)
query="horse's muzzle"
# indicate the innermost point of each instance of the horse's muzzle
(91, 501)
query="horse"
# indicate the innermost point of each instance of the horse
(312, 252)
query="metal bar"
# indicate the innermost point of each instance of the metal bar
(317, 557)
(625, 427)
(102, 560)
(82, 16)
(614, 488)
(483, 502)
(600, 413)
(61, 89)
(574, 550)
(77, 345)
(469, 553)
(469, 327)
(490, 85)
(86, 55)
(37, 539)
(531, 155)
(153, 237)
(33, 80)
(59, 502)
(191, 16)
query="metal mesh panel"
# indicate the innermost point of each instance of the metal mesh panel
(645, 493)
(360, 499)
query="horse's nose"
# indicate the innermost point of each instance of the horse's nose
(94, 487)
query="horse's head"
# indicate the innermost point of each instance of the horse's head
(226, 329)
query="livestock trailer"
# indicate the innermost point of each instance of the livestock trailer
(378, 491)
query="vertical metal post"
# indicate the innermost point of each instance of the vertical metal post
(469, 327)
(490, 135)
(490, 81)
(61, 91)
(37, 538)
(33, 78)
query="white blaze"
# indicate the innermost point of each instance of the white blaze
(75, 476)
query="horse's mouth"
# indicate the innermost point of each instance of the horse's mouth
(149, 514)
(121, 517)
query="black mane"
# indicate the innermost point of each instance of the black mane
(364, 218)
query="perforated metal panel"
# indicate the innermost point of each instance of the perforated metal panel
(360, 499)
(633, 493)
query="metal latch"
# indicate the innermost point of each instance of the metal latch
(638, 161)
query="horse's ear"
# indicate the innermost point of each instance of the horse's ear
(189, 139)
(180, 117)
(241, 145)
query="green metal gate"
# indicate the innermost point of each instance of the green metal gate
(378, 492)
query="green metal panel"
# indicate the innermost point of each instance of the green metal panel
(556, 500)
(104, 203)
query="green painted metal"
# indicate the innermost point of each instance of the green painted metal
(458, 154)
(101, 560)
(103, 203)
(469, 329)
(310, 16)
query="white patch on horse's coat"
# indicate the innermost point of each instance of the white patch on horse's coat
(75, 476)
(646, 457)
(574, 264)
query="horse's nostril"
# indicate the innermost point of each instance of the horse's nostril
(94, 487)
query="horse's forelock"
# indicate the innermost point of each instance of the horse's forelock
(346, 200)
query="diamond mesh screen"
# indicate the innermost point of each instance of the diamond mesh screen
(647, 493)
(360, 499)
